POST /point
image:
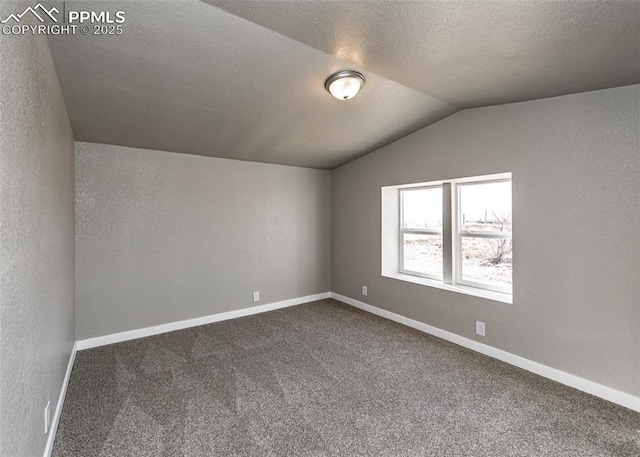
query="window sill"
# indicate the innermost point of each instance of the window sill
(487, 294)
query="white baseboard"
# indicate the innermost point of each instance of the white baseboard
(590, 387)
(63, 391)
(179, 325)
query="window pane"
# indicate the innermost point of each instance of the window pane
(423, 254)
(487, 261)
(422, 208)
(485, 207)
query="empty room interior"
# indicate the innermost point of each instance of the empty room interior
(319, 228)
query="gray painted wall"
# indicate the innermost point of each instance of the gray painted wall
(576, 204)
(37, 316)
(163, 237)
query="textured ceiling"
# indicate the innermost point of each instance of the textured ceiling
(244, 79)
(469, 53)
(189, 77)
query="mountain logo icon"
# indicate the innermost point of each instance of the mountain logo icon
(39, 11)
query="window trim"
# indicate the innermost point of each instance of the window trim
(451, 235)
(458, 288)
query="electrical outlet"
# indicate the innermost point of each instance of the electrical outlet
(46, 417)
(256, 296)
(480, 328)
(364, 290)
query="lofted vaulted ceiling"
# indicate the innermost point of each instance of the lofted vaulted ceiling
(469, 53)
(244, 79)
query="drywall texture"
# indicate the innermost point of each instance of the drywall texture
(576, 206)
(37, 316)
(468, 52)
(189, 77)
(162, 237)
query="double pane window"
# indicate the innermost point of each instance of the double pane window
(458, 232)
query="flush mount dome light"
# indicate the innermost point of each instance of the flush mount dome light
(344, 85)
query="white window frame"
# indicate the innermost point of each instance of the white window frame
(459, 233)
(407, 231)
(393, 264)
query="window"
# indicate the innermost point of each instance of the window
(483, 235)
(421, 231)
(454, 233)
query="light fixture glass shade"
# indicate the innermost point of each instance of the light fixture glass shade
(344, 85)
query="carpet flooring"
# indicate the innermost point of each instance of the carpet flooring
(324, 379)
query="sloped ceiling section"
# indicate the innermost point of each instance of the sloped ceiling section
(469, 52)
(243, 79)
(188, 77)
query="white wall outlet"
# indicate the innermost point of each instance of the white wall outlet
(480, 328)
(364, 290)
(256, 296)
(47, 418)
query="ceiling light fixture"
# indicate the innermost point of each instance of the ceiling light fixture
(344, 85)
